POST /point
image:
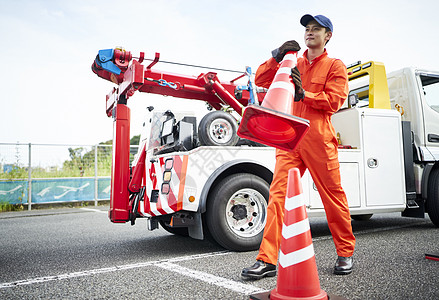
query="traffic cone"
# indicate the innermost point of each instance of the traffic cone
(273, 123)
(297, 272)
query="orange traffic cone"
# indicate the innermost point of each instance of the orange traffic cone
(272, 123)
(297, 272)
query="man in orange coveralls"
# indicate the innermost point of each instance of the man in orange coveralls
(321, 88)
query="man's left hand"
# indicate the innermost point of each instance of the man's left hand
(297, 80)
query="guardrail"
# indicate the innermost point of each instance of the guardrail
(53, 173)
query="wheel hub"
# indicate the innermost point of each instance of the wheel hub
(239, 212)
(246, 214)
(221, 131)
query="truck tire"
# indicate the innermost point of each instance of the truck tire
(218, 128)
(361, 217)
(237, 211)
(433, 197)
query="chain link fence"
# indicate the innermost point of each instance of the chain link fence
(48, 173)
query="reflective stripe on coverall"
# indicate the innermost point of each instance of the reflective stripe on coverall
(326, 85)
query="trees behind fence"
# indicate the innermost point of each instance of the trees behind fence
(46, 173)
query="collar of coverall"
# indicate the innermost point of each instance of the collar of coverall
(305, 56)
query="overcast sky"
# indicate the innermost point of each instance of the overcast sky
(50, 95)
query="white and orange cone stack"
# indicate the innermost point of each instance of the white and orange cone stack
(273, 123)
(282, 87)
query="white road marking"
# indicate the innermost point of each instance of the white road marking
(235, 286)
(168, 264)
(95, 210)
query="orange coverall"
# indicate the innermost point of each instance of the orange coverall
(326, 85)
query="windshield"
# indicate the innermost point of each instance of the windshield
(430, 86)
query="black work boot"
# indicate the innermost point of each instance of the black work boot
(343, 265)
(259, 270)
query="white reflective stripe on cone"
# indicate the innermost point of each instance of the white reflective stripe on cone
(294, 202)
(284, 70)
(291, 57)
(293, 258)
(282, 85)
(295, 229)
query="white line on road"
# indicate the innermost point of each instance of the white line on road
(107, 270)
(169, 265)
(235, 286)
(95, 210)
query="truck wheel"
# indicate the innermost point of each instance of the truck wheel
(433, 197)
(183, 231)
(218, 128)
(237, 212)
(361, 217)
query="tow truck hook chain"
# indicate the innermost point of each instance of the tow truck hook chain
(163, 82)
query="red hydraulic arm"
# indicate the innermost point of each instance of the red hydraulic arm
(119, 67)
(137, 77)
(120, 169)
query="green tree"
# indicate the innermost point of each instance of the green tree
(77, 161)
(83, 161)
(135, 140)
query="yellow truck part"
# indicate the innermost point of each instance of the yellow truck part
(378, 92)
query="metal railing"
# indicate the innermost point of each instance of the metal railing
(53, 173)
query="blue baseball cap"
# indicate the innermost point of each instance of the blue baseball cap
(322, 20)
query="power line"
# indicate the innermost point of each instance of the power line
(196, 66)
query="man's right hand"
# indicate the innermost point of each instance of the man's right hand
(280, 52)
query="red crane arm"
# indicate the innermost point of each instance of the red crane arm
(138, 77)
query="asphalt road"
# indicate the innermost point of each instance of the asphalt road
(78, 254)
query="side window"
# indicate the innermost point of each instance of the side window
(430, 85)
(360, 87)
(363, 96)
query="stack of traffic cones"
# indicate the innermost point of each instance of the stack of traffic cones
(273, 123)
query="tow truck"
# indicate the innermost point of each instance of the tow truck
(199, 179)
